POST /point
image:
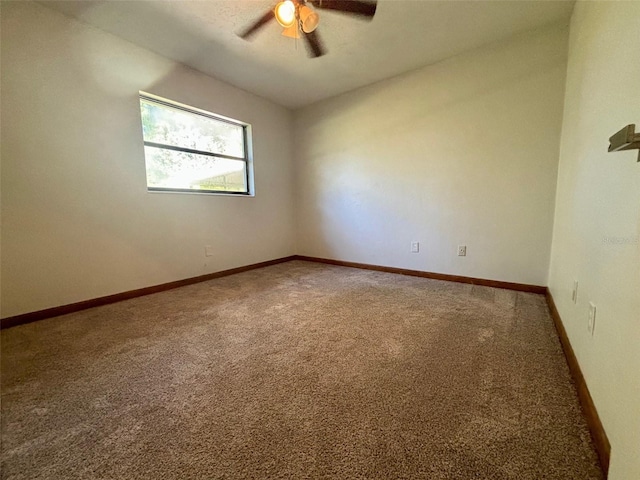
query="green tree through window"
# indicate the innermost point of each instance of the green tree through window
(190, 150)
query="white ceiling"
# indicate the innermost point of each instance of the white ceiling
(403, 35)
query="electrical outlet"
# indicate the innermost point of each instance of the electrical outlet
(591, 326)
(415, 247)
(574, 294)
(208, 250)
(462, 250)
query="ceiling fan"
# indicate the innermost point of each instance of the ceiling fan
(297, 17)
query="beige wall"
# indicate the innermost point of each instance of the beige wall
(461, 152)
(77, 221)
(597, 221)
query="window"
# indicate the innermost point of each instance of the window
(190, 150)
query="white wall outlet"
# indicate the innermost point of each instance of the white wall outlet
(574, 294)
(208, 250)
(415, 247)
(462, 250)
(591, 326)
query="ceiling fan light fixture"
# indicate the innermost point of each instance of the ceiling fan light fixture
(309, 19)
(300, 20)
(285, 13)
(291, 32)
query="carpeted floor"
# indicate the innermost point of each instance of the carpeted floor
(298, 370)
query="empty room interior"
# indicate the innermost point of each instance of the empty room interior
(320, 239)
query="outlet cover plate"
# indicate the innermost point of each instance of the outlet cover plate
(415, 247)
(462, 250)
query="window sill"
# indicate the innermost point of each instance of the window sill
(217, 194)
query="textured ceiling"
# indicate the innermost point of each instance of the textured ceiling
(403, 35)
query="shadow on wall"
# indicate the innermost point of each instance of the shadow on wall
(75, 203)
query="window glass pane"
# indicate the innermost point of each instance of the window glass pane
(171, 169)
(172, 126)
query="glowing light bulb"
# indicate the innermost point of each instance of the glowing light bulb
(286, 13)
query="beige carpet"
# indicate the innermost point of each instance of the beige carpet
(298, 370)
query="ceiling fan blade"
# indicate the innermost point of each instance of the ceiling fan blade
(316, 47)
(353, 7)
(257, 25)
